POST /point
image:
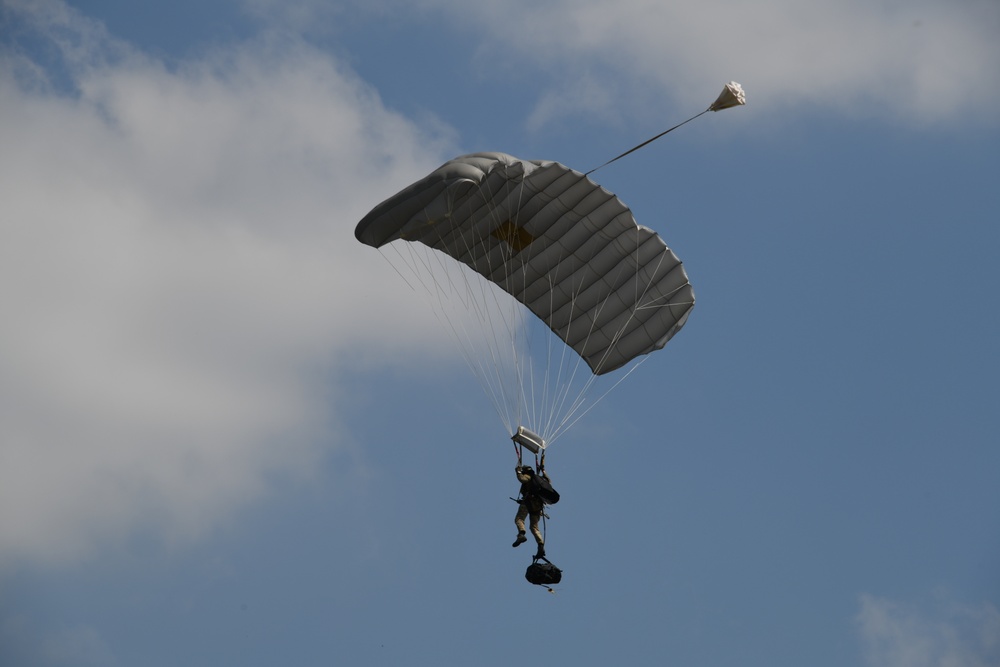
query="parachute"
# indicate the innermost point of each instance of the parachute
(563, 249)
(537, 242)
(560, 245)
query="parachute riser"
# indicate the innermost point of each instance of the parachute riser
(529, 439)
(526, 439)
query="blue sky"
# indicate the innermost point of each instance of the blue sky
(230, 435)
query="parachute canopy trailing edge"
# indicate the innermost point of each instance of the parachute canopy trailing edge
(563, 246)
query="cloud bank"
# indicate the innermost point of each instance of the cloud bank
(913, 62)
(952, 635)
(179, 281)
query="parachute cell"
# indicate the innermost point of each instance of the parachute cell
(560, 244)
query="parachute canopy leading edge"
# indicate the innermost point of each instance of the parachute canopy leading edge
(563, 246)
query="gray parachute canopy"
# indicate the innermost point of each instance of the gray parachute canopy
(560, 244)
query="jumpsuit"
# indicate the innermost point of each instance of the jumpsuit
(530, 505)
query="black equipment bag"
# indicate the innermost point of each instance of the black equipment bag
(542, 573)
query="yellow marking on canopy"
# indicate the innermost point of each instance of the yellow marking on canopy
(518, 238)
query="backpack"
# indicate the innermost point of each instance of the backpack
(543, 573)
(542, 488)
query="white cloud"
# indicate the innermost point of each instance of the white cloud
(179, 278)
(917, 62)
(950, 635)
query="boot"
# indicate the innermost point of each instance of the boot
(521, 539)
(541, 552)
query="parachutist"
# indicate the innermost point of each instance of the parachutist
(529, 504)
(536, 491)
